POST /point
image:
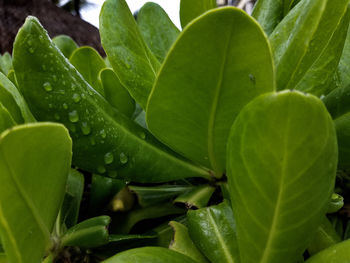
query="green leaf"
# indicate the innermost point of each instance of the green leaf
(6, 120)
(151, 195)
(157, 29)
(35, 190)
(104, 141)
(66, 44)
(201, 88)
(71, 203)
(307, 45)
(14, 101)
(12, 77)
(183, 244)
(269, 14)
(128, 53)
(88, 234)
(324, 237)
(196, 198)
(115, 93)
(89, 64)
(149, 255)
(336, 203)
(5, 63)
(190, 9)
(344, 66)
(339, 253)
(213, 230)
(280, 142)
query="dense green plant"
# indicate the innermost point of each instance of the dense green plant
(226, 142)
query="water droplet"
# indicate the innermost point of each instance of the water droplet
(101, 169)
(109, 158)
(57, 117)
(103, 133)
(73, 116)
(29, 42)
(123, 158)
(73, 87)
(65, 106)
(252, 78)
(142, 135)
(76, 97)
(50, 106)
(85, 128)
(41, 39)
(47, 86)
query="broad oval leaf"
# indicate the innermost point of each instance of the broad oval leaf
(35, 190)
(128, 53)
(5, 63)
(339, 253)
(157, 29)
(203, 84)
(197, 197)
(305, 44)
(89, 64)
(149, 255)
(104, 140)
(66, 44)
(213, 230)
(6, 120)
(115, 93)
(190, 9)
(280, 142)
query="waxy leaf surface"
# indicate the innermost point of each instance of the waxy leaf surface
(132, 60)
(157, 29)
(66, 44)
(105, 141)
(203, 84)
(268, 13)
(190, 9)
(282, 159)
(32, 187)
(339, 253)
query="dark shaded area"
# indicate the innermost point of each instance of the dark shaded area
(55, 20)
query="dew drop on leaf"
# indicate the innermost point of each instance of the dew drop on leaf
(47, 86)
(76, 97)
(103, 133)
(123, 158)
(108, 158)
(85, 128)
(101, 169)
(73, 116)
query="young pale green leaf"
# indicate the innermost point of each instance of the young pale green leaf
(89, 64)
(269, 14)
(115, 93)
(280, 142)
(336, 203)
(13, 101)
(151, 195)
(324, 237)
(309, 41)
(337, 103)
(66, 44)
(183, 244)
(197, 197)
(213, 230)
(6, 120)
(104, 140)
(190, 9)
(157, 29)
(128, 53)
(12, 77)
(33, 177)
(201, 87)
(339, 253)
(5, 63)
(149, 255)
(344, 65)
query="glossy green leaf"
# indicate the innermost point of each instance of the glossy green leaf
(88, 234)
(157, 29)
(151, 195)
(339, 253)
(269, 14)
(336, 203)
(324, 237)
(190, 9)
(344, 65)
(66, 44)
(183, 244)
(35, 190)
(308, 44)
(12, 77)
(201, 88)
(213, 230)
(13, 101)
(128, 53)
(115, 93)
(104, 141)
(5, 63)
(71, 203)
(149, 255)
(6, 120)
(197, 197)
(125, 223)
(89, 64)
(280, 142)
